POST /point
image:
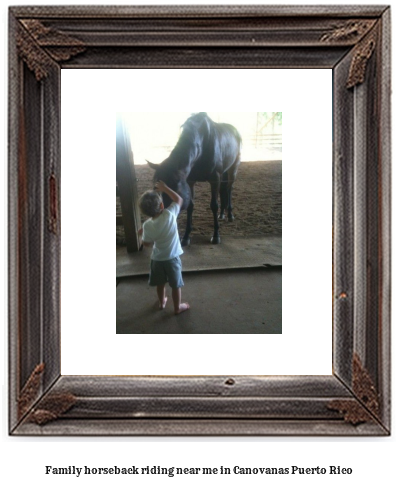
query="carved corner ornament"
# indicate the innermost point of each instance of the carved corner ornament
(362, 54)
(39, 46)
(351, 31)
(30, 390)
(367, 405)
(363, 34)
(51, 407)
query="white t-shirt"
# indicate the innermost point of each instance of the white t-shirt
(163, 232)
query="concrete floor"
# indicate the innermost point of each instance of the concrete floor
(238, 301)
(201, 255)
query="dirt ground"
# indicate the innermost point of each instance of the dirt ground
(257, 201)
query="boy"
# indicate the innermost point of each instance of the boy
(160, 232)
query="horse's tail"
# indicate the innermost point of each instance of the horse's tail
(239, 142)
(236, 134)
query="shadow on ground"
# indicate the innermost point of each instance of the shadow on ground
(240, 301)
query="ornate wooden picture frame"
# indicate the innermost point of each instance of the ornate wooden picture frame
(352, 41)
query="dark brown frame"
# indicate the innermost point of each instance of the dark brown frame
(353, 41)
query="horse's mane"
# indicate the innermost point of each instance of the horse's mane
(195, 130)
(195, 121)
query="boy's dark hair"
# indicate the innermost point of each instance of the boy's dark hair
(150, 203)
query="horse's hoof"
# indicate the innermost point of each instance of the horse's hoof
(185, 242)
(215, 240)
(221, 216)
(231, 218)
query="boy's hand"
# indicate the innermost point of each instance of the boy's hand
(140, 231)
(160, 186)
(163, 188)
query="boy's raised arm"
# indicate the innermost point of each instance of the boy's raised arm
(163, 188)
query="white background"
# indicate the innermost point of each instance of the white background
(373, 460)
(87, 279)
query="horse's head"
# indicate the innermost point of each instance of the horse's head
(173, 179)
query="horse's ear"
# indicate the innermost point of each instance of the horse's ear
(153, 166)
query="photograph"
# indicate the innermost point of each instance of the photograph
(199, 206)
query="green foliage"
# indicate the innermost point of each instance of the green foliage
(268, 117)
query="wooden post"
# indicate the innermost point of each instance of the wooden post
(128, 194)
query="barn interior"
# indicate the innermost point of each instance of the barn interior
(234, 287)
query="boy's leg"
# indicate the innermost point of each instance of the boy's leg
(179, 307)
(162, 296)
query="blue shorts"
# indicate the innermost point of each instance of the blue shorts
(162, 272)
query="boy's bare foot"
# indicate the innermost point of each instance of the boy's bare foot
(161, 307)
(183, 308)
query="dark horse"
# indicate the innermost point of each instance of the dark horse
(205, 151)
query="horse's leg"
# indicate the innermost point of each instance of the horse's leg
(215, 184)
(230, 215)
(189, 224)
(223, 195)
(232, 173)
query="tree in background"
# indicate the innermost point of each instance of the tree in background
(272, 118)
(268, 130)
